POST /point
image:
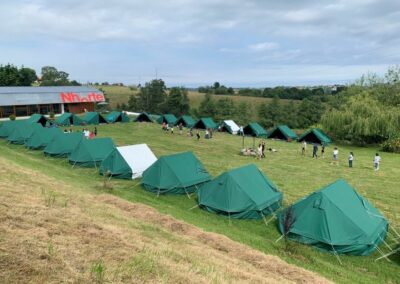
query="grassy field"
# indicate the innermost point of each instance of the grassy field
(119, 95)
(296, 176)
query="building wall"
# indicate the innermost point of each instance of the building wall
(27, 110)
(78, 107)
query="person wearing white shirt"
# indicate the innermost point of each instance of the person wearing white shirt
(335, 156)
(377, 160)
(351, 158)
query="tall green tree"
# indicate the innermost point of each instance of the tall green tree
(152, 96)
(177, 102)
(27, 76)
(207, 107)
(225, 109)
(9, 75)
(53, 77)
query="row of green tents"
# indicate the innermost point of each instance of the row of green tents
(335, 218)
(281, 132)
(90, 118)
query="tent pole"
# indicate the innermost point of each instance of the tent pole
(383, 255)
(280, 238)
(229, 214)
(186, 192)
(388, 254)
(158, 193)
(336, 254)
(194, 207)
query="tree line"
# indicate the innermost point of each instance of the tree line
(281, 92)
(11, 75)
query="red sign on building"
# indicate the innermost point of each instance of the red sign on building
(75, 98)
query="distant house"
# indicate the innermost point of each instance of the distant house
(25, 101)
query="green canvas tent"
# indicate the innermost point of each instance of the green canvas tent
(22, 131)
(186, 120)
(93, 118)
(255, 130)
(143, 117)
(62, 144)
(178, 174)
(91, 152)
(8, 126)
(315, 135)
(38, 118)
(68, 119)
(205, 123)
(41, 137)
(335, 219)
(117, 116)
(128, 162)
(170, 119)
(154, 117)
(242, 193)
(282, 132)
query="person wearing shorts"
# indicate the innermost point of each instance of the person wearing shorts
(336, 156)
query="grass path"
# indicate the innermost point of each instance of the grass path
(296, 176)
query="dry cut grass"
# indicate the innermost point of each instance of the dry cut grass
(51, 232)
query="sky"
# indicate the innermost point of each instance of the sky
(197, 42)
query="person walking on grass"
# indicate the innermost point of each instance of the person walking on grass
(315, 151)
(335, 156)
(198, 135)
(259, 152)
(351, 158)
(303, 148)
(95, 131)
(172, 129)
(323, 151)
(180, 128)
(263, 149)
(377, 161)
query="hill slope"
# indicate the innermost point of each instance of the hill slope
(51, 231)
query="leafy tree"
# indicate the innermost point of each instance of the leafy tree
(231, 91)
(177, 102)
(53, 77)
(242, 113)
(216, 85)
(225, 109)
(27, 76)
(207, 107)
(152, 96)
(310, 112)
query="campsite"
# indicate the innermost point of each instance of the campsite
(294, 175)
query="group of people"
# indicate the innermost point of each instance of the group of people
(335, 155)
(86, 132)
(208, 134)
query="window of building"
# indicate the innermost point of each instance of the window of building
(56, 108)
(44, 109)
(21, 110)
(6, 111)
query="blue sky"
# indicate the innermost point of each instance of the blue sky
(191, 43)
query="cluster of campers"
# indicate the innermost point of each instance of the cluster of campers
(336, 218)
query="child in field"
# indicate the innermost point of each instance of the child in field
(259, 151)
(377, 161)
(180, 128)
(315, 151)
(172, 129)
(335, 156)
(198, 135)
(323, 151)
(351, 158)
(303, 148)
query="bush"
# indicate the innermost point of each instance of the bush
(12, 117)
(392, 145)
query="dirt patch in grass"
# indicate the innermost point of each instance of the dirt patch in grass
(51, 232)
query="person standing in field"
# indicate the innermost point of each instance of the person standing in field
(198, 135)
(259, 152)
(95, 131)
(377, 161)
(180, 128)
(315, 151)
(172, 129)
(323, 151)
(303, 148)
(335, 156)
(351, 158)
(263, 149)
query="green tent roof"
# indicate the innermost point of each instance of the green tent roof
(154, 117)
(254, 129)
(243, 193)
(170, 119)
(116, 165)
(22, 131)
(62, 144)
(93, 118)
(91, 152)
(186, 121)
(282, 132)
(336, 219)
(315, 135)
(8, 126)
(144, 117)
(41, 137)
(117, 116)
(37, 118)
(68, 119)
(205, 123)
(179, 173)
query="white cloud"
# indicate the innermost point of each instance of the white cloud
(263, 46)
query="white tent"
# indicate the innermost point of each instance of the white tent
(139, 157)
(234, 127)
